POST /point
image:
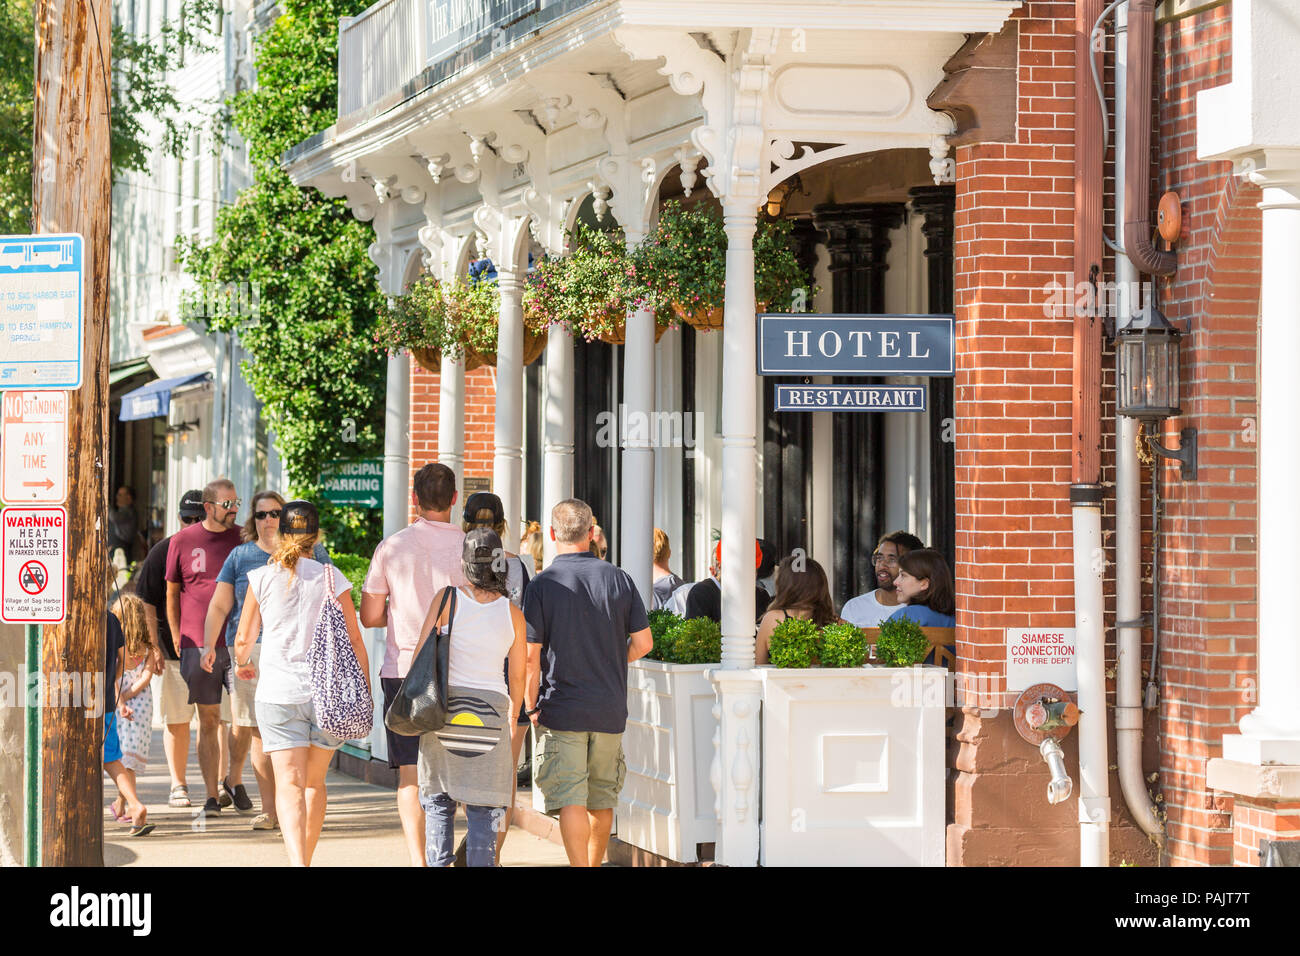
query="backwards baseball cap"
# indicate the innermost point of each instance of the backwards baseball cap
(482, 545)
(299, 517)
(758, 554)
(192, 504)
(484, 501)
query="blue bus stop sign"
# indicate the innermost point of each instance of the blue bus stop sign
(42, 309)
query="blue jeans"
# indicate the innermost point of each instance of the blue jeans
(480, 843)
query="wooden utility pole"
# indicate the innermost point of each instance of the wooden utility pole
(72, 193)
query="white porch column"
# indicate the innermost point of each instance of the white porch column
(451, 425)
(1270, 734)
(557, 461)
(397, 444)
(508, 460)
(638, 447)
(739, 692)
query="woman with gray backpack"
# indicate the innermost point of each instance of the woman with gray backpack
(468, 758)
(314, 687)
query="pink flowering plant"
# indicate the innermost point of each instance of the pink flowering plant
(685, 261)
(591, 289)
(455, 319)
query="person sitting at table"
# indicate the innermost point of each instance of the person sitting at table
(803, 594)
(925, 589)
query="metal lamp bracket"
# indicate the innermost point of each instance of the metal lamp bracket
(1185, 454)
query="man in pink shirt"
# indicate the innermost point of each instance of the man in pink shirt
(409, 568)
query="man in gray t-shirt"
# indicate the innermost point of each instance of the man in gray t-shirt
(586, 623)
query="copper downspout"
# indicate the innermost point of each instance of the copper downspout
(1085, 448)
(1138, 244)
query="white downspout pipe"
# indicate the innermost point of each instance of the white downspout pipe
(1128, 510)
(1090, 662)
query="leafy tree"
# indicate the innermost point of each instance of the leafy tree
(314, 365)
(141, 88)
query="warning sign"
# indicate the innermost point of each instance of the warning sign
(1041, 655)
(34, 565)
(34, 447)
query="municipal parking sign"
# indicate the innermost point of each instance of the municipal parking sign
(34, 565)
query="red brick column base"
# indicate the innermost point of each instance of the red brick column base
(1266, 805)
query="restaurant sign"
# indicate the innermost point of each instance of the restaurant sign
(819, 344)
(850, 398)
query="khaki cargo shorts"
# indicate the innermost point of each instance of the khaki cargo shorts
(575, 768)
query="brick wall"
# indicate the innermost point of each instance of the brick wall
(1208, 617)
(1253, 821)
(480, 416)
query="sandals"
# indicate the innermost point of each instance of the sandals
(180, 796)
(119, 816)
(143, 829)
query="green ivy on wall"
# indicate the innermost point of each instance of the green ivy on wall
(314, 364)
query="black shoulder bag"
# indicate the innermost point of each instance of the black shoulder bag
(421, 703)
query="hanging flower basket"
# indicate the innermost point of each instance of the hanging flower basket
(685, 262)
(456, 318)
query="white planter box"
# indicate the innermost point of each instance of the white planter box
(853, 766)
(667, 802)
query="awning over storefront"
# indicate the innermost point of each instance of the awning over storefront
(126, 371)
(153, 400)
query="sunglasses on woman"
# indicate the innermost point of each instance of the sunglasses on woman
(263, 515)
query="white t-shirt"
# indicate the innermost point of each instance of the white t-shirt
(291, 606)
(865, 611)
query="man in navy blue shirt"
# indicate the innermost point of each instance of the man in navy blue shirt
(586, 622)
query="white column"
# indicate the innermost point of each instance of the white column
(397, 444)
(1271, 732)
(638, 447)
(557, 461)
(508, 460)
(451, 424)
(739, 691)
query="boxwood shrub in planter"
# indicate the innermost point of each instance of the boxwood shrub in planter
(901, 643)
(697, 640)
(842, 645)
(662, 622)
(794, 643)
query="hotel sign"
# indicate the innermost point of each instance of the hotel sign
(850, 398)
(808, 344)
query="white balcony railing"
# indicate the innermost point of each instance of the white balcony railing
(393, 41)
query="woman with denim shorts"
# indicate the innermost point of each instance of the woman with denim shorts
(284, 600)
(469, 760)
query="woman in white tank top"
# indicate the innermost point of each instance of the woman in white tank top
(469, 760)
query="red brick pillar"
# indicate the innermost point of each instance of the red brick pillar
(1014, 567)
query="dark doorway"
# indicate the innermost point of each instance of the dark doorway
(595, 436)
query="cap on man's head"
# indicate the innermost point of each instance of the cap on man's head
(482, 545)
(484, 501)
(299, 517)
(758, 554)
(192, 504)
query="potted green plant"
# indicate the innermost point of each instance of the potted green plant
(842, 645)
(697, 640)
(794, 643)
(901, 643)
(662, 622)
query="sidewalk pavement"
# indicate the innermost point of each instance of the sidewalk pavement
(361, 827)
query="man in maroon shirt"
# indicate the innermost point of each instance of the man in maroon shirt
(194, 558)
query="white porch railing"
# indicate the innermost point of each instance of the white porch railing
(393, 41)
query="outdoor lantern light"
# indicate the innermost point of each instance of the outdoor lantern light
(1146, 355)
